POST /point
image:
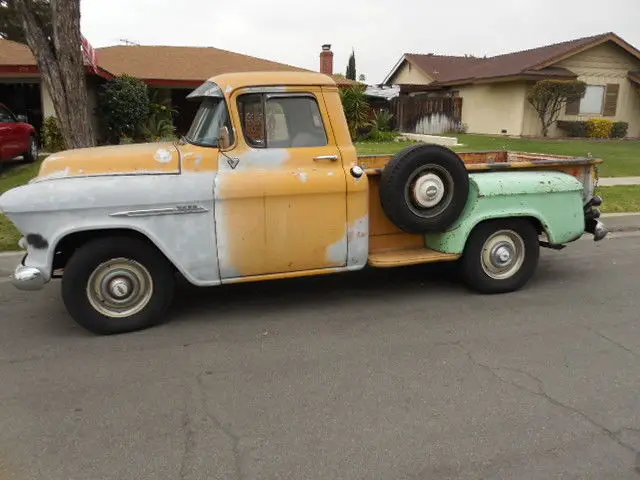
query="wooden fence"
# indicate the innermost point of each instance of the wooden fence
(427, 115)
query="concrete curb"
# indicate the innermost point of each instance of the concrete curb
(615, 222)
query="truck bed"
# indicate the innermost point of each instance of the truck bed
(499, 160)
(389, 246)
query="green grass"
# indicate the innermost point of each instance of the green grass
(621, 157)
(13, 174)
(620, 199)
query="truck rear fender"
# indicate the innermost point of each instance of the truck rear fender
(552, 200)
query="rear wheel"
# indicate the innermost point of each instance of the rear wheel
(500, 255)
(116, 285)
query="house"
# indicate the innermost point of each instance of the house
(493, 90)
(171, 70)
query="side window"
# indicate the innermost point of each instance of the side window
(5, 116)
(281, 121)
(251, 109)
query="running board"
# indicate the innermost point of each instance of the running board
(409, 256)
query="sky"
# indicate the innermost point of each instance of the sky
(378, 31)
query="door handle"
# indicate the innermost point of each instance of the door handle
(333, 158)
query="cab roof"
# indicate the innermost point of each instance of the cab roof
(278, 78)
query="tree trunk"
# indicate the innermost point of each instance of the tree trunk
(61, 67)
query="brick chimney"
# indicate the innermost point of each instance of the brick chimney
(326, 60)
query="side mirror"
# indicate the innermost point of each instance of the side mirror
(224, 142)
(22, 118)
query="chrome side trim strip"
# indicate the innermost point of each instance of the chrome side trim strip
(181, 210)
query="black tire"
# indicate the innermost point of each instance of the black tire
(31, 155)
(397, 182)
(473, 267)
(141, 259)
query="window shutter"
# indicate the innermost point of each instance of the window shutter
(611, 100)
(573, 107)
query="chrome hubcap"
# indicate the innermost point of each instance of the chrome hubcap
(34, 148)
(119, 288)
(503, 254)
(428, 190)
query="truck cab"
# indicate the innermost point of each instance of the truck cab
(266, 185)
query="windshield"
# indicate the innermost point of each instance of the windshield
(211, 116)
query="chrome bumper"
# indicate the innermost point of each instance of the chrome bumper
(591, 215)
(27, 278)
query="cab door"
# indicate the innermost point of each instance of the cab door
(281, 190)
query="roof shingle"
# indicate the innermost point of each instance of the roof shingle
(14, 53)
(180, 63)
(451, 69)
(183, 64)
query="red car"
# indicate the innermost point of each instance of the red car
(17, 137)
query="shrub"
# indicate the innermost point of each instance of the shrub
(123, 105)
(619, 129)
(356, 108)
(52, 138)
(378, 136)
(599, 128)
(159, 125)
(574, 128)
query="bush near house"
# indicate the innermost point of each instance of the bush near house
(366, 124)
(594, 128)
(599, 128)
(53, 140)
(131, 112)
(123, 107)
(619, 129)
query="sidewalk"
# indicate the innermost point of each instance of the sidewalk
(615, 222)
(617, 181)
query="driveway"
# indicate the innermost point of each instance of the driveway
(376, 375)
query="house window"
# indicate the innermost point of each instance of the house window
(593, 100)
(281, 120)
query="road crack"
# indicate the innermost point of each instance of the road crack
(234, 439)
(540, 392)
(189, 444)
(614, 342)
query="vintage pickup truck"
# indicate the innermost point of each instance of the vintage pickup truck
(267, 185)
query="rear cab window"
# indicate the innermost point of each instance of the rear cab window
(287, 120)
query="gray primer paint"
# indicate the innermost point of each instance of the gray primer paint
(56, 208)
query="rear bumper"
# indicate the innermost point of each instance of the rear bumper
(591, 216)
(28, 278)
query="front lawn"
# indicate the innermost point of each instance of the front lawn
(13, 174)
(621, 157)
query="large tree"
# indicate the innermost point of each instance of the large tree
(549, 97)
(59, 57)
(11, 23)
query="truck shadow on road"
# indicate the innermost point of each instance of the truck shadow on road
(438, 283)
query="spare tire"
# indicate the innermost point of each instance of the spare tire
(424, 188)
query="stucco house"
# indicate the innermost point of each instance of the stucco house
(493, 89)
(174, 71)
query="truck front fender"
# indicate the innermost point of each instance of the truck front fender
(553, 199)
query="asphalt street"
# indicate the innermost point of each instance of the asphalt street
(387, 374)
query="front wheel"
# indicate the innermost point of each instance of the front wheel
(501, 255)
(116, 285)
